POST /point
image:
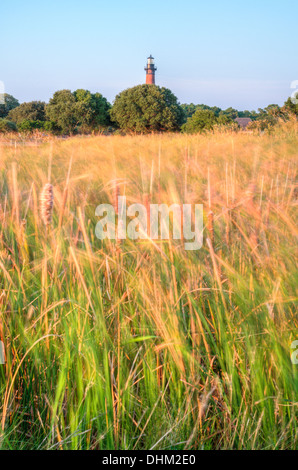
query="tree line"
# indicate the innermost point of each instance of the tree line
(141, 109)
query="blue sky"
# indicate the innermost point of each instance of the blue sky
(220, 52)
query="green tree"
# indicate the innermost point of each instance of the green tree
(268, 117)
(31, 111)
(9, 103)
(147, 108)
(224, 120)
(214, 109)
(92, 110)
(273, 110)
(189, 110)
(248, 114)
(7, 126)
(291, 107)
(29, 126)
(231, 113)
(62, 111)
(80, 111)
(202, 120)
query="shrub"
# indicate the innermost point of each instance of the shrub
(27, 125)
(80, 111)
(9, 103)
(202, 120)
(7, 126)
(31, 111)
(147, 108)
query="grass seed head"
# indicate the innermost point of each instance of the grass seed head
(46, 204)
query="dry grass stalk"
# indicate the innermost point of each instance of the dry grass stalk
(2, 350)
(210, 225)
(86, 239)
(16, 208)
(46, 204)
(158, 182)
(250, 196)
(227, 217)
(254, 210)
(65, 195)
(210, 215)
(116, 195)
(35, 208)
(203, 404)
(64, 200)
(146, 202)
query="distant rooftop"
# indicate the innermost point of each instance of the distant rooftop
(243, 122)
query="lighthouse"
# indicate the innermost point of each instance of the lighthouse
(150, 71)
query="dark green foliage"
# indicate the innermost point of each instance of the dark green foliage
(223, 119)
(141, 109)
(29, 126)
(31, 111)
(49, 126)
(231, 113)
(248, 114)
(7, 126)
(204, 120)
(61, 110)
(92, 110)
(9, 103)
(291, 107)
(190, 109)
(147, 108)
(268, 117)
(214, 109)
(80, 111)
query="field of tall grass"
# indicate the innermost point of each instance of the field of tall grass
(142, 344)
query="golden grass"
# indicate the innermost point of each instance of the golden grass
(139, 345)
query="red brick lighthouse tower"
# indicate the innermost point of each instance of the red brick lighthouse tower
(150, 71)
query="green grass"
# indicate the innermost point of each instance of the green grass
(139, 347)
